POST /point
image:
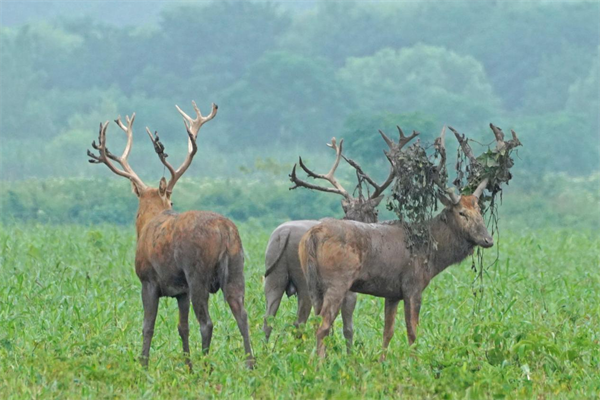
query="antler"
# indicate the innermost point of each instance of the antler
(440, 170)
(192, 126)
(502, 147)
(391, 155)
(337, 187)
(105, 155)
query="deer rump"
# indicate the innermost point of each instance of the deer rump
(283, 248)
(174, 248)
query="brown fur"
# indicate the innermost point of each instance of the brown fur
(187, 256)
(341, 256)
(283, 272)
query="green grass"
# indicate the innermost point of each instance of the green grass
(71, 316)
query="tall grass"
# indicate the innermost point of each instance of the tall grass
(71, 316)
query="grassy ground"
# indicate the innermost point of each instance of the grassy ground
(71, 316)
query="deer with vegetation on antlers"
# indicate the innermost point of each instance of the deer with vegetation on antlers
(183, 255)
(342, 256)
(283, 272)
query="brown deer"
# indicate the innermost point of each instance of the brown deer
(342, 256)
(283, 272)
(183, 255)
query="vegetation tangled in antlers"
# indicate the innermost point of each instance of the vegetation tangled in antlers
(419, 181)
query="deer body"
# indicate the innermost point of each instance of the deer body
(282, 263)
(183, 255)
(174, 247)
(342, 256)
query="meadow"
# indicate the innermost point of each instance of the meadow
(71, 317)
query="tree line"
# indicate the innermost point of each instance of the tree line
(287, 80)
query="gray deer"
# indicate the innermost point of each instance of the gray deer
(283, 272)
(339, 257)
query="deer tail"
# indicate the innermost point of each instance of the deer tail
(308, 259)
(275, 250)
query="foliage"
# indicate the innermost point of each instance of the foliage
(286, 77)
(409, 79)
(71, 319)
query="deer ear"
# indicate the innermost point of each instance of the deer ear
(136, 190)
(162, 187)
(375, 202)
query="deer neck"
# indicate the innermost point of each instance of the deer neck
(452, 247)
(146, 212)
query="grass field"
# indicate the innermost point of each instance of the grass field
(71, 316)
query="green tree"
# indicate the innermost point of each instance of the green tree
(285, 98)
(422, 77)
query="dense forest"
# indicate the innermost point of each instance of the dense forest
(288, 79)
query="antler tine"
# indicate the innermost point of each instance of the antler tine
(391, 155)
(192, 126)
(500, 143)
(339, 189)
(440, 146)
(300, 183)
(105, 156)
(159, 148)
(396, 147)
(195, 124)
(128, 131)
(404, 139)
(482, 185)
(464, 144)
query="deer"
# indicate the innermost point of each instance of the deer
(186, 255)
(338, 257)
(283, 273)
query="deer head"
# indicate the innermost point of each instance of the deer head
(359, 208)
(152, 201)
(463, 212)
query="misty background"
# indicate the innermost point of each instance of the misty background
(287, 77)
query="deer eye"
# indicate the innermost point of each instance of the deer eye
(462, 214)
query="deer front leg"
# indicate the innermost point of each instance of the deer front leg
(412, 308)
(150, 295)
(348, 306)
(183, 302)
(391, 308)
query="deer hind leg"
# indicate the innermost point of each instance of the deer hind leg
(304, 306)
(391, 308)
(275, 285)
(183, 302)
(233, 291)
(150, 296)
(199, 294)
(332, 302)
(348, 306)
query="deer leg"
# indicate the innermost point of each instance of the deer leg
(235, 299)
(331, 306)
(412, 308)
(348, 306)
(274, 289)
(304, 307)
(150, 296)
(199, 294)
(391, 308)
(183, 302)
